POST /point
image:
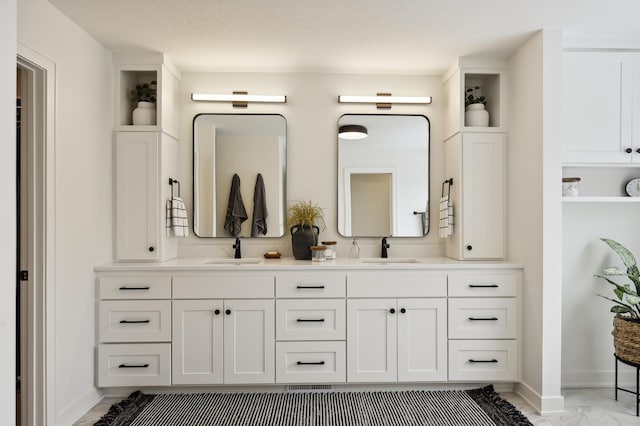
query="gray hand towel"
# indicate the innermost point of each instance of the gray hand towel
(260, 214)
(236, 213)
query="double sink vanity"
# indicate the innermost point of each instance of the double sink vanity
(165, 320)
(283, 321)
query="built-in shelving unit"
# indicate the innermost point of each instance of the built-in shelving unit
(126, 80)
(602, 183)
(601, 199)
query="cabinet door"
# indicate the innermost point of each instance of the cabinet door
(372, 340)
(249, 341)
(136, 196)
(483, 196)
(197, 342)
(422, 340)
(597, 101)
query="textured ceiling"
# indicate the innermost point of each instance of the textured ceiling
(353, 36)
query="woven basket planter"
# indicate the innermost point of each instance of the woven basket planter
(626, 339)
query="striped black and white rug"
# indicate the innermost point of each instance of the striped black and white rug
(478, 407)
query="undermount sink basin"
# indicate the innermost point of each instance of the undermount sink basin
(247, 261)
(390, 260)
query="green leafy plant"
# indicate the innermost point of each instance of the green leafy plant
(144, 92)
(472, 96)
(306, 213)
(628, 294)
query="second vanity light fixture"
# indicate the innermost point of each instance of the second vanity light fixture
(384, 100)
(238, 99)
(352, 131)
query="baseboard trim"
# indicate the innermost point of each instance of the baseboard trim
(598, 379)
(544, 405)
(70, 414)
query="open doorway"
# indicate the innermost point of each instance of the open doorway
(34, 241)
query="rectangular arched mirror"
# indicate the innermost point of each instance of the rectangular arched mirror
(383, 175)
(246, 146)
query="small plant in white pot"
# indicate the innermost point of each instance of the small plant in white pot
(144, 97)
(626, 324)
(475, 114)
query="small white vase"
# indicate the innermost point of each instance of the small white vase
(145, 114)
(476, 116)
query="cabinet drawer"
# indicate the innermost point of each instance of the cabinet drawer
(310, 285)
(224, 286)
(482, 318)
(135, 321)
(310, 362)
(137, 365)
(483, 285)
(135, 287)
(483, 360)
(310, 319)
(396, 284)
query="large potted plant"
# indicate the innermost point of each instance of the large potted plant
(626, 324)
(475, 114)
(144, 97)
(304, 218)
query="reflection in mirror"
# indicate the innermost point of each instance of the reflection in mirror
(383, 179)
(247, 146)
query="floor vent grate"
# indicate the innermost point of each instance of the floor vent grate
(309, 388)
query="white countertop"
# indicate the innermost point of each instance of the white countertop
(290, 264)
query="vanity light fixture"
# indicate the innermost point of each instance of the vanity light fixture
(352, 131)
(384, 100)
(238, 99)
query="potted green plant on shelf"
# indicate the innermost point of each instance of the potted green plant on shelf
(303, 220)
(475, 114)
(626, 324)
(144, 97)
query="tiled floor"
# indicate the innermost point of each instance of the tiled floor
(583, 407)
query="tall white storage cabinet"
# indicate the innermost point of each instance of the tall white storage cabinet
(145, 161)
(476, 162)
(144, 164)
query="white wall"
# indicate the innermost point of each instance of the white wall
(312, 112)
(534, 214)
(83, 191)
(7, 214)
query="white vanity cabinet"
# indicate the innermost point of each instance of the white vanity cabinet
(144, 163)
(476, 162)
(134, 330)
(396, 327)
(600, 94)
(229, 339)
(483, 326)
(310, 327)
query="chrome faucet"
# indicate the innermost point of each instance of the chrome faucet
(385, 246)
(236, 246)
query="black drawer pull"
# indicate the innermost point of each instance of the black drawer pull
(135, 321)
(484, 360)
(310, 363)
(483, 319)
(310, 320)
(303, 287)
(133, 366)
(483, 285)
(134, 288)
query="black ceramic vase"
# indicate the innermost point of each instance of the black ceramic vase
(302, 238)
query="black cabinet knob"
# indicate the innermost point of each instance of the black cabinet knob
(393, 311)
(638, 150)
(403, 311)
(628, 150)
(469, 247)
(228, 312)
(151, 249)
(217, 312)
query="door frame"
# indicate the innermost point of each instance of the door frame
(38, 135)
